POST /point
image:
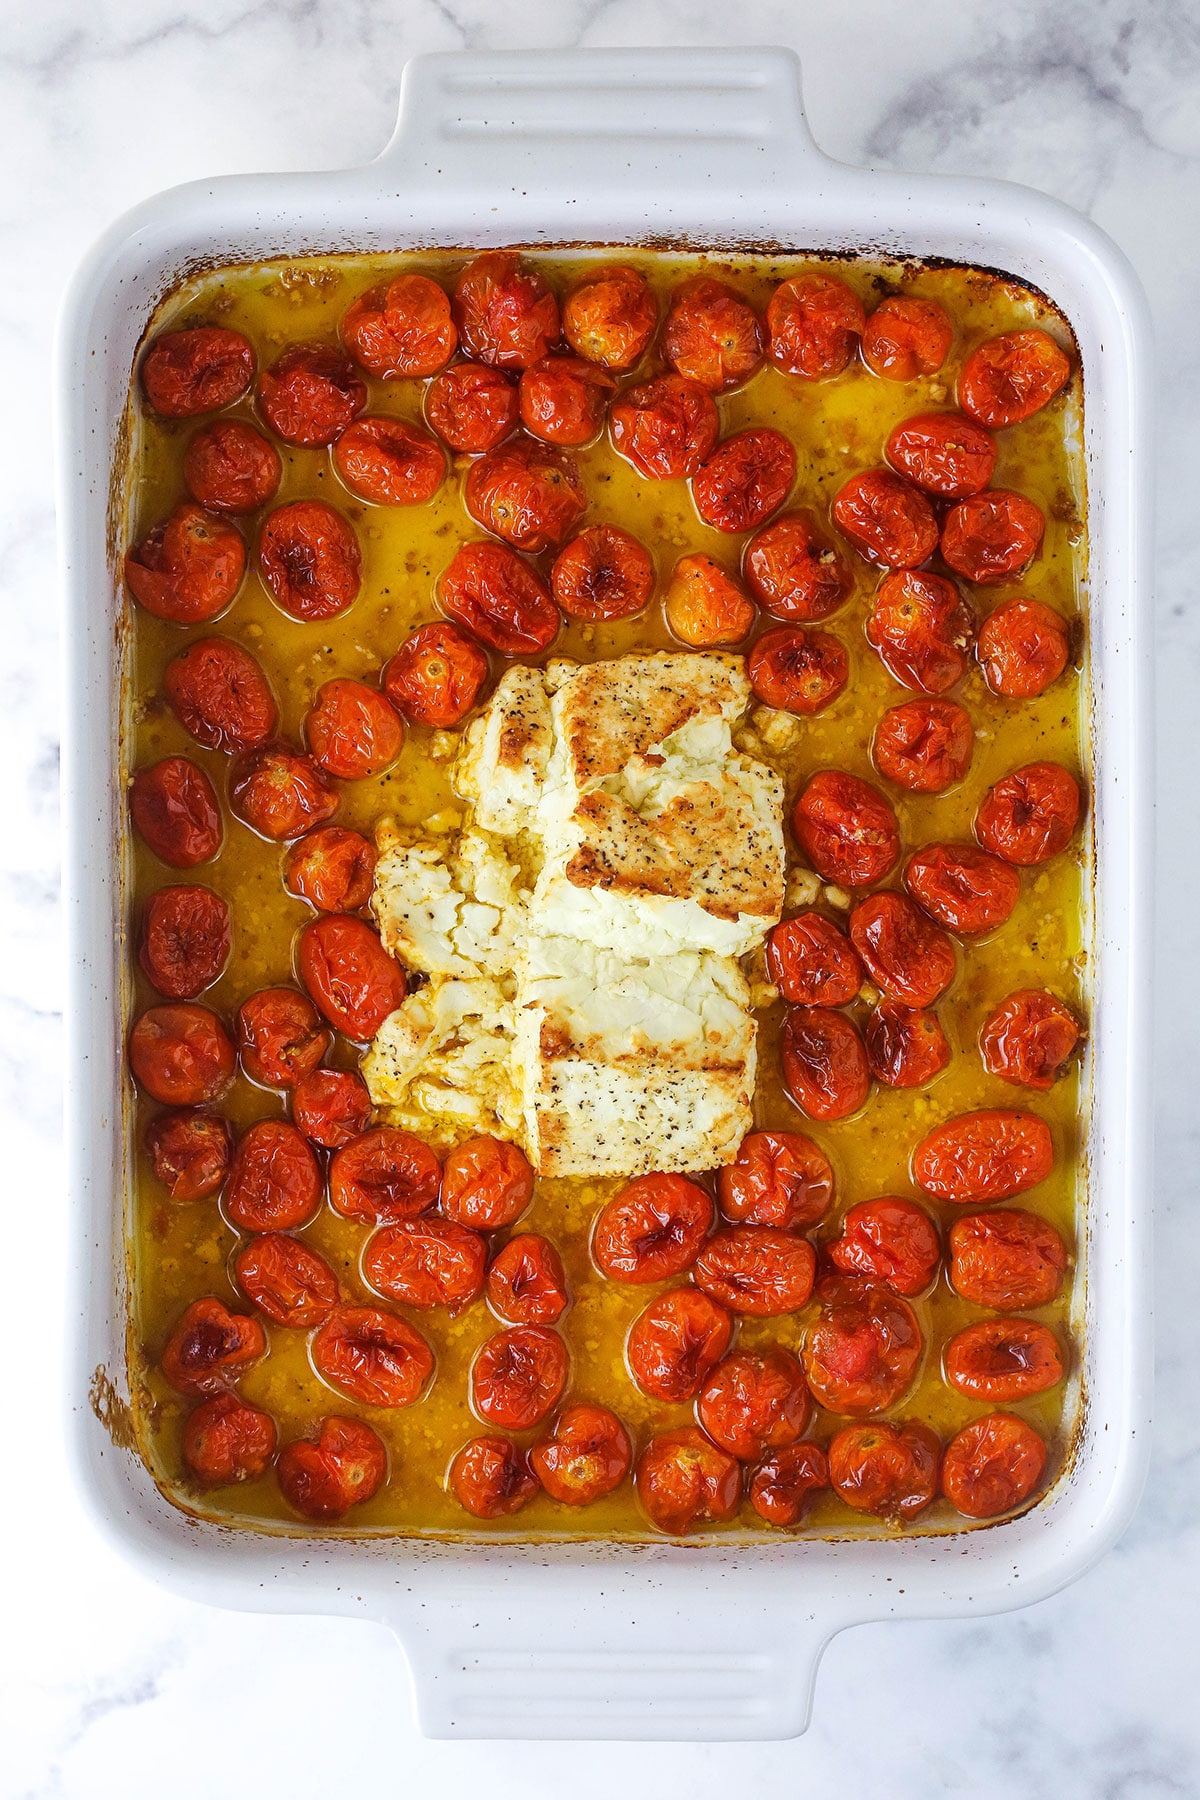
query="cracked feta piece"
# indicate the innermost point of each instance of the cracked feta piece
(443, 1060)
(505, 752)
(448, 910)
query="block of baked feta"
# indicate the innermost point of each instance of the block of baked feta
(505, 753)
(449, 908)
(442, 1062)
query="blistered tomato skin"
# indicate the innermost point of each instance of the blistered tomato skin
(1023, 648)
(888, 521)
(332, 868)
(906, 1046)
(280, 793)
(353, 731)
(863, 1353)
(500, 599)
(798, 670)
(311, 394)
(911, 959)
(846, 829)
(712, 335)
(181, 1055)
(427, 1263)
(1011, 377)
(1001, 1361)
(226, 1441)
(331, 1107)
(752, 1403)
(185, 940)
(486, 1183)
(1009, 1261)
(746, 479)
(812, 962)
(980, 1156)
(384, 1176)
(675, 1343)
(652, 1229)
(349, 975)
(526, 1283)
(310, 560)
(519, 1376)
(472, 408)
(684, 1481)
(201, 369)
(825, 1067)
(666, 427)
(280, 1038)
(604, 573)
(490, 1478)
(274, 1182)
(435, 677)
(992, 1466)
(210, 1347)
(344, 1466)
(1029, 1038)
(189, 1152)
(401, 330)
(906, 337)
(189, 568)
(814, 323)
(992, 535)
(757, 1269)
(528, 493)
(922, 629)
(390, 463)
(889, 1470)
(893, 1242)
(230, 467)
(778, 1178)
(220, 696)
(924, 745)
(564, 399)
(505, 313)
(705, 607)
(782, 1486)
(1030, 815)
(943, 454)
(587, 1455)
(794, 571)
(967, 890)
(610, 317)
(372, 1356)
(288, 1281)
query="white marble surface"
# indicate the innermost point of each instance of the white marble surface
(109, 1687)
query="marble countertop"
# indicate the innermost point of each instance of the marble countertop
(109, 1686)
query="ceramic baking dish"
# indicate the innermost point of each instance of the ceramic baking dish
(694, 147)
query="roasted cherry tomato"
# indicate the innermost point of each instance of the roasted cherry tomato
(528, 493)
(1030, 815)
(332, 868)
(794, 571)
(906, 1046)
(942, 453)
(519, 1376)
(500, 598)
(652, 1230)
(435, 676)
(346, 1465)
(705, 607)
(712, 335)
(353, 730)
(181, 1055)
(812, 963)
(604, 573)
(1011, 377)
(684, 1480)
(210, 1347)
(888, 1470)
(587, 1455)
(189, 1152)
(992, 1465)
(280, 1038)
(287, 1280)
(349, 975)
(1023, 647)
(906, 337)
(966, 890)
(230, 467)
(310, 560)
(220, 695)
(185, 940)
(989, 1155)
(189, 568)
(331, 1107)
(403, 329)
(198, 370)
(676, 1342)
(747, 477)
(665, 427)
(824, 1063)
(887, 520)
(274, 1181)
(384, 1176)
(923, 630)
(1028, 1039)
(924, 745)
(427, 1263)
(752, 1403)
(1002, 1360)
(846, 828)
(389, 462)
(486, 1183)
(279, 792)
(472, 408)
(757, 1269)
(373, 1356)
(610, 316)
(491, 1478)
(779, 1178)
(782, 1487)
(225, 1440)
(798, 670)
(1011, 1261)
(911, 959)
(814, 323)
(310, 394)
(526, 1284)
(505, 313)
(863, 1352)
(890, 1241)
(563, 400)
(992, 535)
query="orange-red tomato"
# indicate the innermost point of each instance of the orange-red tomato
(797, 669)
(864, 1350)
(1023, 647)
(676, 1341)
(189, 1152)
(500, 598)
(373, 1356)
(472, 408)
(988, 1155)
(486, 1183)
(906, 955)
(846, 828)
(310, 560)
(992, 535)
(923, 630)
(181, 1055)
(200, 369)
(280, 1038)
(310, 394)
(992, 1465)
(942, 453)
(1011, 1261)
(964, 889)
(403, 329)
(893, 1242)
(906, 1046)
(332, 868)
(886, 519)
(888, 1470)
(1028, 1039)
(349, 975)
(824, 1063)
(230, 467)
(389, 462)
(384, 1176)
(665, 427)
(427, 1263)
(794, 570)
(289, 1281)
(812, 963)
(1002, 1360)
(189, 568)
(528, 493)
(280, 793)
(814, 323)
(435, 676)
(353, 730)
(1030, 815)
(924, 745)
(712, 335)
(563, 400)
(587, 1455)
(344, 1466)
(220, 695)
(778, 1178)
(519, 1376)
(331, 1107)
(505, 313)
(747, 477)
(652, 1230)
(1011, 377)
(604, 573)
(185, 939)
(274, 1181)
(210, 1347)
(906, 337)
(752, 1403)
(610, 316)
(782, 1487)
(225, 1440)
(683, 1480)
(705, 607)
(526, 1284)
(490, 1478)
(757, 1269)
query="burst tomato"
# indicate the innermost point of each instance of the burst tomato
(676, 1342)
(352, 730)
(220, 695)
(846, 828)
(519, 1376)
(964, 889)
(1011, 377)
(712, 335)
(310, 394)
(992, 1465)
(200, 369)
(752, 1403)
(684, 1481)
(747, 477)
(564, 399)
(472, 408)
(490, 1477)
(814, 323)
(486, 1183)
(1030, 815)
(911, 959)
(924, 745)
(812, 963)
(1010, 1261)
(210, 1347)
(906, 1046)
(824, 1063)
(185, 939)
(349, 975)
(287, 1280)
(274, 1181)
(189, 1152)
(757, 1269)
(528, 493)
(610, 316)
(427, 1263)
(280, 1038)
(705, 607)
(331, 1107)
(435, 677)
(665, 427)
(979, 1156)
(604, 573)
(779, 1178)
(280, 793)
(992, 535)
(373, 1356)
(652, 1230)
(390, 463)
(782, 1487)
(888, 1470)
(906, 337)
(323, 1478)
(332, 868)
(526, 1284)
(225, 1440)
(798, 670)
(943, 454)
(189, 568)
(230, 467)
(893, 1242)
(1002, 1360)
(505, 313)
(502, 600)
(587, 1455)
(1023, 647)
(794, 571)
(864, 1350)
(384, 1176)
(886, 519)
(1028, 1039)
(401, 330)
(310, 560)
(923, 630)
(181, 1055)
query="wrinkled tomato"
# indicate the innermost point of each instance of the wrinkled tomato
(757, 1269)
(185, 940)
(943, 454)
(964, 889)
(373, 1356)
(189, 568)
(747, 477)
(1002, 1360)
(181, 1055)
(992, 1465)
(846, 828)
(310, 560)
(280, 1038)
(230, 467)
(782, 1487)
(906, 337)
(705, 607)
(490, 1477)
(812, 963)
(472, 408)
(564, 399)
(210, 1347)
(332, 868)
(886, 519)
(274, 1181)
(502, 600)
(352, 730)
(200, 369)
(225, 1440)
(486, 1183)
(519, 1376)
(924, 745)
(310, 394)
(280, 793)
(923, 630)
(814, 323)
(349, 975)
(1010, 1261)
(604, 573)
(778, 1178)
(675, 1343)
(344, 1466)
(890, 1241)
(888, 1470)
(992, 535)
(906, 1046)
(752, 1403)
(220, 695)
(1030, 815)
(989, 1155)
(289, 1281)
(435, 677)
(528, 493)
(824, 1063)
(526, 1284)
(505, 313)
(189, 1152)
(864, 1350)
(1029, 1038)
(610, 316)
(401, 330)
(587, 1455)
(1023, 647)
(331, 1107)
(427, 1263)
(712, 335)
(794, 571)
(665, 427)
(906, 955)
(384, 1176)
(1011, 377)
(684, 1480)
(652, 1230)
(390, 463)
(797, 669)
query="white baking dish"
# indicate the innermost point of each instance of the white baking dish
(705, 147)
